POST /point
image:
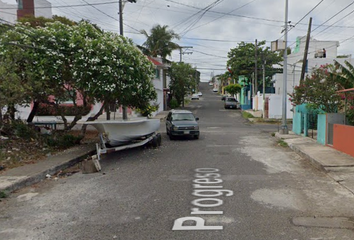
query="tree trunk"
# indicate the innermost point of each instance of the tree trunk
(33, 111)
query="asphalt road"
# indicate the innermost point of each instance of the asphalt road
(235, 182)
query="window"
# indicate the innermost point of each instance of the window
(20, 4)
(183, 117)
(157, 73)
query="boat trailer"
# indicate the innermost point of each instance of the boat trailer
(101, 148)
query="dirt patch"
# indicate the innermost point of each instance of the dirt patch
(15, 152)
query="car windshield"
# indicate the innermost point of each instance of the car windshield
(182, 117)
(231, 100)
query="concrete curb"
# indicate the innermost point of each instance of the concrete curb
(290, 139)
(11, 181)
(320, 156)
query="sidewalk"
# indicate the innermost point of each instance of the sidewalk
(17, 178)
(336, 164)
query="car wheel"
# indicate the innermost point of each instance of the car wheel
(196, 136)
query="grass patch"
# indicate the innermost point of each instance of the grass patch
(273, 134)
(282, 143)
(3, 194)
(247, 114)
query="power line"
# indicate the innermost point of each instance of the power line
(68, 6)
(308, 13)
(209, 54)
(336, 22)
(205, 10)
(244, 5)
(333, 16)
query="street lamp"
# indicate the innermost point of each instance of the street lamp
(284, 127)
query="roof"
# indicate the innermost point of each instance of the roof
(155, 62)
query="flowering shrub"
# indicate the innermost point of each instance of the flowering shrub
(319, 90)
(100, 66)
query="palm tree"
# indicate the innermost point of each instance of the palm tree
(346, 76)
(159, 42)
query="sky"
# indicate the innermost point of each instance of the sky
(213, 27)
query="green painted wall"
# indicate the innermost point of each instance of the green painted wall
(321, 128)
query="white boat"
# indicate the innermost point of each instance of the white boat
(121, 132)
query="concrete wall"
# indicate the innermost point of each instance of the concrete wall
(343, 139)
(276, 109)
(297, 122)
(322, 128)
(257, 103)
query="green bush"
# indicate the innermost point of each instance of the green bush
(146, 112)
(62, 140)
(24, 131)
(174, 103)
(20, 129)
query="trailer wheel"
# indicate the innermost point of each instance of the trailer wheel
(159, 138)
(154, 142)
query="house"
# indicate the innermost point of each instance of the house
(161, 83)
(12, 10)
(315, 59)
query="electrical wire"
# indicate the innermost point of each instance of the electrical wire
(333, 16)
(238, 8)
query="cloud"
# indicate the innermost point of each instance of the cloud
(227, 23)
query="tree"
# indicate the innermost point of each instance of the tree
(77, 60)
(319, 90)
(242, 60)
(182, 80)
(233, 89)
(346, 80)
(159, 42)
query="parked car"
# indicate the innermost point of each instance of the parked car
(210, 84)
(223, 97)
(215, 89)
(182, 123)
(231, 102)
(200, 94)
(195, 96)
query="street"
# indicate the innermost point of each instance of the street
(235, 182)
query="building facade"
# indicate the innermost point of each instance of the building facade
(12, 10)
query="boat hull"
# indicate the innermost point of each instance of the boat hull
(121, 132)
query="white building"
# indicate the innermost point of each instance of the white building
(314, 60)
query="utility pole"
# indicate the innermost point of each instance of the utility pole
(264, 62)
(254, 85)
(181, 53)
(304, 61)
(284, 127)
(125, 115)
